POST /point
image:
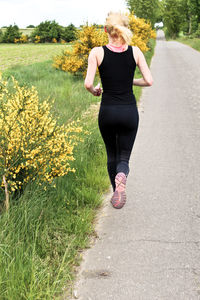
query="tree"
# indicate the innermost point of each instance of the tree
(69, 33)
(11, 33)
(172, 17)
(146, 9)
(47, 31)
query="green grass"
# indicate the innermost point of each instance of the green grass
(192, 42)
(25, 54)
(44, 232)
(71, 98)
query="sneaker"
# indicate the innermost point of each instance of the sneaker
(119, 197)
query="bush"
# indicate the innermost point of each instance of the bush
(75, 61)
(11, 33)
(197, 33)
(142, 32)
(22, 39)
(47, 31)
(33, 146)
(1, 36)
(69, 33)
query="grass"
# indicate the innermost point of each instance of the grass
(192, 42)
(44, 232)
(25, 54)
(71, 98)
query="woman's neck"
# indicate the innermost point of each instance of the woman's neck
(116, 46)
(115, 43)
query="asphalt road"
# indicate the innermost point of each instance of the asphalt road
(150, 249)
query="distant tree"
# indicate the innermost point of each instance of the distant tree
(146, 9)
(69, 33)
(47, 31)
(1, 35)
(30, 26)
(191, 14)
(172, 17)
(11, 33)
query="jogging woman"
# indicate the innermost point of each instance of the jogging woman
(118, 116)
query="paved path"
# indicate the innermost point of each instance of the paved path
(150, 249)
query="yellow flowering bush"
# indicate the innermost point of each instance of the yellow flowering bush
(142, 32)
(22, 39)
(54, 40)
(75, 60)
(37, 39)
(32, 144)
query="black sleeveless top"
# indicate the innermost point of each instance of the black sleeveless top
(117, 72)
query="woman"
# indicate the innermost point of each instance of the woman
(118, 116)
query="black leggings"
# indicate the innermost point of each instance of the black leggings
(118, 125)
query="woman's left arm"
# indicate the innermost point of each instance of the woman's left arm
(91, 71)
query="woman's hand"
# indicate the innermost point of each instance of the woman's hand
(97, 91)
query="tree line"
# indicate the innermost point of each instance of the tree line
(47, 31)
(176, 15)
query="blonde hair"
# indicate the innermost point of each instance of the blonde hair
(117, 26)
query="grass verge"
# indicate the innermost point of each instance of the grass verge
(192, 42)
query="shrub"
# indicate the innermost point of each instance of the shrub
(47, 31)
(142, 32)
(63, 41)
(54, 40)
(1, 36)
(197, 33)
(11, 33)
(37, 39)
(22, 39)
(76, 61)
(69, 33)
(33, 145)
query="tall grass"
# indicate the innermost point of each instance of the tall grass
(71, 98)
(44, 232)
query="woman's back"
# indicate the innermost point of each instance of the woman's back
(117, 71)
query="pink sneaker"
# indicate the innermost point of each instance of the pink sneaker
(119, 197)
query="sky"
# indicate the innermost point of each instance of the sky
(64, 12)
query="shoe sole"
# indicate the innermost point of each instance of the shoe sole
(119, 197)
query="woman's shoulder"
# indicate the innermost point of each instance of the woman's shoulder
(97, 51)
(135, 53)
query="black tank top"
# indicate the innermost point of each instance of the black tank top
(117, 72)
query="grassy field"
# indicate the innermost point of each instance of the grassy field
(26, 54)
(44, 232)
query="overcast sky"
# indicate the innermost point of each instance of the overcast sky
(64, 12)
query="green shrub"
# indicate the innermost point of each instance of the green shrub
(47, 31)
(11, 33)
(69, 33)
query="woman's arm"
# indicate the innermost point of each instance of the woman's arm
(147, 79)
(91, 71)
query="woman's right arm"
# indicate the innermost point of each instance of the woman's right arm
(147, 79)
